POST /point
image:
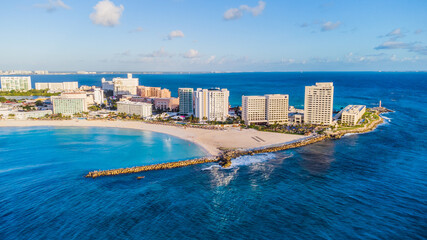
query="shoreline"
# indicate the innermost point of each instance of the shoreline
(214, 142)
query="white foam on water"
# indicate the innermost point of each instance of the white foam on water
(249, 160)
(211, 167)
(386, 118)
(246, 161)
(26, 167)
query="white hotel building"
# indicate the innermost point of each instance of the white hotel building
(69, 103)
(351, 114)
(318, 103)
(138, 108)
(270, 109)
(15, 83)
(125, 86)
(57, 86)
(211, 104)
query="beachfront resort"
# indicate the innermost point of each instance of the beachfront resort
(204, 116)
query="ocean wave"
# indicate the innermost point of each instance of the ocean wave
(249, 160)
(246, 161)
(386, 118)
(25, 167)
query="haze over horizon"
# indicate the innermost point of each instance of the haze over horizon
(202, 36)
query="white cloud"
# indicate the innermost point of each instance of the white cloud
(392, 45)
(210, 59)
(157, 54)
(254, 10)
(106, 13)
(191, 54)
(53, 5)
(175, 34)
(395, 34)
(138, 29)
(235, 13)
(411, 47)
(328, 26)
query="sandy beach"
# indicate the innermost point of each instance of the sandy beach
(211, 140)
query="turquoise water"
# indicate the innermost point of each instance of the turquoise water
(366, 186)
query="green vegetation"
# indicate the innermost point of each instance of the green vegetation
(28, 108)
(32, 92)
(58, 116)
(289, 129)
(3, 99)
(94, 108)
(39, 103)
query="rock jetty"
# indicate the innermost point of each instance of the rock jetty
(159, 166)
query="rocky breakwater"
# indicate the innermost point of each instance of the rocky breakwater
(160, 166)
(225, 158)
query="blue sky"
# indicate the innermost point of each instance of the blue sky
(220, 35)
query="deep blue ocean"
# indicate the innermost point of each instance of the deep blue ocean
(366, 186)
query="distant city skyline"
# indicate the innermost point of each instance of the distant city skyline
(222, 35)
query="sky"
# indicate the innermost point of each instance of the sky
(219, 35)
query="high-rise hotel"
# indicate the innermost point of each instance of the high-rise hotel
(270, 109)
(318, 103)
(186, 100)
(211, 104)
(15, 83)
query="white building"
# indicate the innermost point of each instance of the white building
(21, 115)
(211, 104)
(186, 101)
(318, 103)
(351, 114)
(138, 108)
(15, 83)
(125, 86)
(41, 72)
(107, 85)
(98, 96)
(69, 103)
(270, 108)
(58, 86)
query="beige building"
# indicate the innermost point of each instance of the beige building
(351, 114)
(138, 108)
(254, 109)
(15, 83)
(69, 103)
(318, 103)
(270, 108)
(153, 92)
(124, 86)
(166, 104)
(211, 104)
(58, 86)
(277, 106)
(296, 118)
